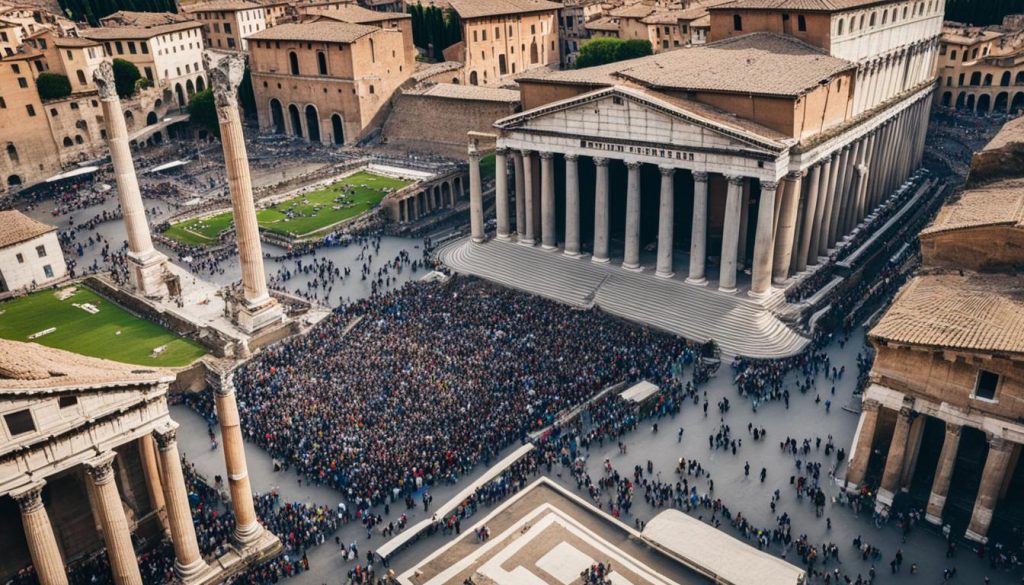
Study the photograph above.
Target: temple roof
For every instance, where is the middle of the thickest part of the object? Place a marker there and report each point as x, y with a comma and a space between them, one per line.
16, 227
460, 91
30, 366
1000, 203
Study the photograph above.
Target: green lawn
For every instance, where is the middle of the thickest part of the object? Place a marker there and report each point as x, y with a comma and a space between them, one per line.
300, 215
94, 334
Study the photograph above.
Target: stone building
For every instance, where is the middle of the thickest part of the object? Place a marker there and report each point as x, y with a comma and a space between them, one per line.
355, 14
666, 28
30, 255
981, 69
227, 23
89, 461
572, 30
326, 80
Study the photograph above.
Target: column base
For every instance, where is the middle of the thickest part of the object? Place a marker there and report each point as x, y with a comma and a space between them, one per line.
760, 295
727, 289
502, 237
548, 247
479, 240
884, 496
251, 318
931, 519
246, 535
149, 273
527, 242
664, 274
776, 280
191, 572
572, 253
632, 267
597, 260
699, 281
975, 537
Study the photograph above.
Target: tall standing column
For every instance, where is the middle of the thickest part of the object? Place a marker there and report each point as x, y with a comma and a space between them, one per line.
943, 474
123, 563
862, 201
761, 274
501, 193
999, 451
42, 545
894, 461
601, 226
631, 256
147, 265
572, 206
154, 486
698, 231
547, 201
837, 198
247, 526
848, 192
786, 231
741, 257
666, 215
730, 235
517, 168
808, 222
529, 235
863, 443
188, 562
819, 211
830, 198
476, 198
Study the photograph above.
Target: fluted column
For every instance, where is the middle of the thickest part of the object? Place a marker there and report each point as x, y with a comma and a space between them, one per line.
895, 460
741, 255
786, 231
943, 474
247, 526
992, 476
862, 200
864, 442
572, 206
666, 217
529, 235
476, 198
819, 211
42, 545
123, 564
188, 562
501, 193
631, 257
154, 486
761, 273
838, 198
698, 231
804, 250
830, 198
848, 192
517, 168
730, 235
547, 201
601, 226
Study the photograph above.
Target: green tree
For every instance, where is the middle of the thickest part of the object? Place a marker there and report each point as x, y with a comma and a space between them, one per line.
246, 96
53, 86
203, 112
609, 50
126, 75
982, 12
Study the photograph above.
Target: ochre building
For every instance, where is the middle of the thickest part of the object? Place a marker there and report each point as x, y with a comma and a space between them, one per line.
981, 69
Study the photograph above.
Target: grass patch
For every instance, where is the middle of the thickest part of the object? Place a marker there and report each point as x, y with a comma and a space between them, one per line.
487, 166
300, 215
96, 334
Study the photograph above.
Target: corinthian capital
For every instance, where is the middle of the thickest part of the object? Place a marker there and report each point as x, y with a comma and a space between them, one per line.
225, 74
104, 78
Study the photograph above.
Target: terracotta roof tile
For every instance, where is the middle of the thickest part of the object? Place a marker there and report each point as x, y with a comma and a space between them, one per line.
358, 14
468, 92
221, 6
999, 203
804, 5
482, 8
30, 366
321, 30
74, 42
16, 227
139, 25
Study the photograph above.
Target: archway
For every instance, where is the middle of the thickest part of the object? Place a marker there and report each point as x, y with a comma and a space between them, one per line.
1018, 101
159, 102
296, 119
190, 87
68, 142
976, 78
947, 99
13, 181
312, 124
960, 101
1005, 80
534, 56
181, 95
446, 194
1019, 79
473, 78
337, 130
129, 119
984, 104
988, 80
200, 84
970, 102
1001, 103
151, 118
277, 116
457, 189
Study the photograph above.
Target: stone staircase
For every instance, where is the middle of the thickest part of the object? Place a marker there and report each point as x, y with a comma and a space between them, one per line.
739, 324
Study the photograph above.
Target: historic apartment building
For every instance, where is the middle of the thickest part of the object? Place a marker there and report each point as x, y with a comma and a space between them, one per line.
666, 28
30, 254
981, 69
326, 80
227, 23
941, 418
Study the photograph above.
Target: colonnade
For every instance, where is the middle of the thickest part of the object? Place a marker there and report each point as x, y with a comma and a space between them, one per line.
441, 195
902, 458
888, 75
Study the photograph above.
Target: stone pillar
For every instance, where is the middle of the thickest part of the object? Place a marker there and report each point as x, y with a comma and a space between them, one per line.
741, 257
913, 449
188, 562
572, 206
146, 265
862, 203
247, 526
999, 451
631, 257
861, 181
698, 231
895, 460
837, 198
804, 250
761, 274
547, 201
154, 487
943, 474
601, 226
517, 164
730, 235
829, 202
529, 235
666, 215
476, 198
501, 193
848, 192
863, 444
42, 545
118, 538
786, 230
819, 212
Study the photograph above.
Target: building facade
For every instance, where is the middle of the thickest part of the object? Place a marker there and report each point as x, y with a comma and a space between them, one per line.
30, 254
982, 69
227, 23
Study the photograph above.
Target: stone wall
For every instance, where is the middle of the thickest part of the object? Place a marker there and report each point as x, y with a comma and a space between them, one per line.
437, 125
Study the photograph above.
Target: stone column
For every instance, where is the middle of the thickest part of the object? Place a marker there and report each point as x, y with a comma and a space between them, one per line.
913, 449
698, 231
730, 235
943, 474
786, 230
572, 206
547, 201
863, 444
601, 226
869, 157
154, 487
146, 265
188, 562
501, 193
861, 181
828, 201
894, 461
804, 250
836, 199
761, 274
999, 451
848, 192
819, 212
118, 538
666, 215
476, 198
517, 164
741, 256
529, 235
42, 545
247, 526
631, 257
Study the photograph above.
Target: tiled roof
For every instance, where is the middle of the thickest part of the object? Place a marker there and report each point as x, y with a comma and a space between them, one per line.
469, 92
74, 42
969, 36
30, 366
999, 203
1012, 132
971, 312
16, 227
716, 115
482, 8
358, 14
221, 6
139, 25
802, 5
702, 22
605, 23
633, 11
321, 30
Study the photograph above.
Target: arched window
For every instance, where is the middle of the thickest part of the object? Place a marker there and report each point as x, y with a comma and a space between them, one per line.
871, 21
840, 29
67, 141
885, 16
293, 62
1019, 80
78, 139
976, 78
737, 22
12, 153
473, 78
321, 62
988, 79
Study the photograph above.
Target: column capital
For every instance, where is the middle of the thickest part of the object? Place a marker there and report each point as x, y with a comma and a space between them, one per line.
870, 404
571, 157
998, 443
734, 179
474, 154
907, 413
103, 77
769, 186
666, 171
227, 384
834, 155
501, 151
700, 176
30, 497
632, 164
547, 155
795, 175
954, 429
101, 468
600, 161
526, 153
862, 169
166, 436
225, 74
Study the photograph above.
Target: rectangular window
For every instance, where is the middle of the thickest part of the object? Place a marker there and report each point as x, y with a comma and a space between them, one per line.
987, 384
227, 28
48, 271
145, 48
31, 110
801, 23
67, 401
41, 250
19, 422
22, 82
119, 47
71, 56
21, 258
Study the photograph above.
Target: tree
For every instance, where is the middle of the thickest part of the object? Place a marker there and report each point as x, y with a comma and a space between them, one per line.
203, 112
982, 12
126, 74
53, 86
246, 96
609, 50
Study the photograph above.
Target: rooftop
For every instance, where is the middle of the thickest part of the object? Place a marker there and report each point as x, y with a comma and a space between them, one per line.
604, 23
484, 8
1000, 203
139, 25
358, 15
633, 11
802, 5
30, 366
221, 6
1011, 133
16, 227
320, 30
74, 42
478, 93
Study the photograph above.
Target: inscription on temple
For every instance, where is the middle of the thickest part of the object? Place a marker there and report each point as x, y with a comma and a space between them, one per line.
669, 153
